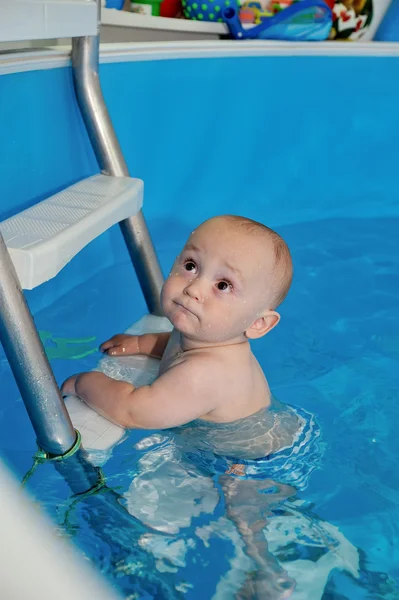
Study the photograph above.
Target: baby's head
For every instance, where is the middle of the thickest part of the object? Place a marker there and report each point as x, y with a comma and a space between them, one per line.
228, 280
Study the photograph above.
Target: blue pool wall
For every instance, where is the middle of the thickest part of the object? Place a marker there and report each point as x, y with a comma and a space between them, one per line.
292, 134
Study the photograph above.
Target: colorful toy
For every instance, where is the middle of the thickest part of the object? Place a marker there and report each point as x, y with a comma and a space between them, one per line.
147, 7
253, 12
351, 18
287, 19
309, 20
208, 10
171, 8
118, 4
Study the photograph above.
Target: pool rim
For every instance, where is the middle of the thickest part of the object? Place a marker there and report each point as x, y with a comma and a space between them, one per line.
55, 57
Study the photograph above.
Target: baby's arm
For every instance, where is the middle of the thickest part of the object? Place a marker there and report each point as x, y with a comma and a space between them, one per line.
150, 344
185, 392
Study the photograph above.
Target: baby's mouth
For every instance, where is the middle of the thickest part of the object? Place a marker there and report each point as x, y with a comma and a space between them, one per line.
185, 308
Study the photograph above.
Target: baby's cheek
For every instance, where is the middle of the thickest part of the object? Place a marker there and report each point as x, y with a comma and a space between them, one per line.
170, 285
165, 290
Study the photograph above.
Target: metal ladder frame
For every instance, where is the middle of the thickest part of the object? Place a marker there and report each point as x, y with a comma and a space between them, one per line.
18, 333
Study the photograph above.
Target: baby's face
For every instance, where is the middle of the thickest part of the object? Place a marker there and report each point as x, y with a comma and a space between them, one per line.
219, 283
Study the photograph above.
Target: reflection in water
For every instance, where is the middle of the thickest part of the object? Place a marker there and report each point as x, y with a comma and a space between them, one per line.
176, 486
175, 524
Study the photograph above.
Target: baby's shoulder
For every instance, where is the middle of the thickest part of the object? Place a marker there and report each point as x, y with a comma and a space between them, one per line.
226, 372
213, 370
203, 360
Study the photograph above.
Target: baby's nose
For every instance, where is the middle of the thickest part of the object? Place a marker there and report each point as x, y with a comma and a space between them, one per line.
193, 290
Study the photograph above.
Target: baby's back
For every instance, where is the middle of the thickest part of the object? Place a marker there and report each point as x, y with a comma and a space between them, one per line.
237, 380
244, 422
240, 384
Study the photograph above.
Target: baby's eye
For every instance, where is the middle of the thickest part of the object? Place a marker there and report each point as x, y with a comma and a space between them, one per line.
190, 266
224, 286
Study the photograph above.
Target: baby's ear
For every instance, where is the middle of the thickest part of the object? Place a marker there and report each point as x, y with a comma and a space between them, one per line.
263, 325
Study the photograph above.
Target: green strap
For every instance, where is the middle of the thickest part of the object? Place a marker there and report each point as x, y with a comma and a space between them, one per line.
41, 456
38, 459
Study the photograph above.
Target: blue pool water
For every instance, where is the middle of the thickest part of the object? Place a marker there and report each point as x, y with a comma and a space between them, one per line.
335, 354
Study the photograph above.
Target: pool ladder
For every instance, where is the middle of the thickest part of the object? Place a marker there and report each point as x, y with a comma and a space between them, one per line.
37, 243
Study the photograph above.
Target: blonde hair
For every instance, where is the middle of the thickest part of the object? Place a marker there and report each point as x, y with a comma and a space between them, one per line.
282, 269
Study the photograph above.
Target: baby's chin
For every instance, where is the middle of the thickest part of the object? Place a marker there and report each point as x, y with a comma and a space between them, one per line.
182, 320
196, 329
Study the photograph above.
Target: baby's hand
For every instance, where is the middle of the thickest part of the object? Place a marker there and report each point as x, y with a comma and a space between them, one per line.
121, 345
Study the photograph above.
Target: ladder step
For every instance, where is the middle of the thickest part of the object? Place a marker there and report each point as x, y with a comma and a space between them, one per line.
44, 238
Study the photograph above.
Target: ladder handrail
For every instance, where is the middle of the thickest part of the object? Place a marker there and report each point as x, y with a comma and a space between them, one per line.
20, 338
30, 365
85, 61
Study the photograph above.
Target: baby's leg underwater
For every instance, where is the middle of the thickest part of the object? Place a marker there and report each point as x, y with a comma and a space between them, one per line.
248, 504
167, 492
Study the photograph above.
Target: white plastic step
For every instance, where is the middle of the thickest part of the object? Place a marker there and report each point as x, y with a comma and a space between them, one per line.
99, 436
44, 238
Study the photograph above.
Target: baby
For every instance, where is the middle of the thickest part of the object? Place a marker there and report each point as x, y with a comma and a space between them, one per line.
222, 292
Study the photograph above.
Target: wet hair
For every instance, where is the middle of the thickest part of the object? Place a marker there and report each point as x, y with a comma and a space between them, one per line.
282, 269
